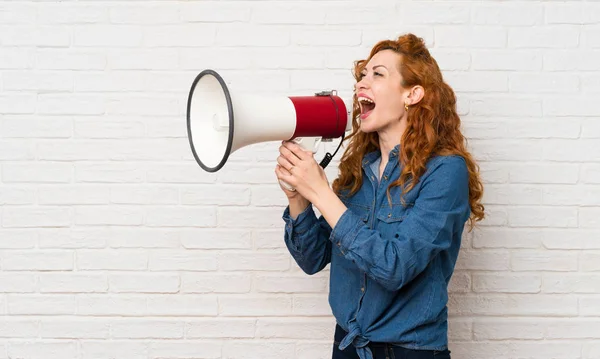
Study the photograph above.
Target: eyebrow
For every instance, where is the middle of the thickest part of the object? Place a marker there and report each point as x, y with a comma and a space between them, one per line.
374, 67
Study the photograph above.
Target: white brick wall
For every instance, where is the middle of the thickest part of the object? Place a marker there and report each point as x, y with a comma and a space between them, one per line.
115, 244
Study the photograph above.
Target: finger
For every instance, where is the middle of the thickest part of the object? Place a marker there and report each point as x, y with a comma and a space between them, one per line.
283, 174
290, 156
296, 149
283, 162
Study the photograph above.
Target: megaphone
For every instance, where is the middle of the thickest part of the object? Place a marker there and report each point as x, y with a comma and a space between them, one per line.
220, 122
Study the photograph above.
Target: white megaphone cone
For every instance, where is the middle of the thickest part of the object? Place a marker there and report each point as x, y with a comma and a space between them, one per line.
220, 122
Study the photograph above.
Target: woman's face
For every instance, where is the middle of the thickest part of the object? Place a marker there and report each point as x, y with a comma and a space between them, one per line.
380, 94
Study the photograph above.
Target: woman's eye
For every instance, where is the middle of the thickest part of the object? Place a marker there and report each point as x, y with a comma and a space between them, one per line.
377, 74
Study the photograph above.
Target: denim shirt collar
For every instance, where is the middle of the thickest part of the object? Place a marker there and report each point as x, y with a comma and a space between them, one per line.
374, 155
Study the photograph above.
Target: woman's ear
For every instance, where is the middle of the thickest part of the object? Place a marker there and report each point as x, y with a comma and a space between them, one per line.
415, 95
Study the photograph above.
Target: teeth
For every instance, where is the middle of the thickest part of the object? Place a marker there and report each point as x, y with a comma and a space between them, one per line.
364, 99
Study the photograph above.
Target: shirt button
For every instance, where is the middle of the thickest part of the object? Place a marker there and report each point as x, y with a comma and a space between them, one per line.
372, 178
385, 177
339, 244
362, 289
389, 215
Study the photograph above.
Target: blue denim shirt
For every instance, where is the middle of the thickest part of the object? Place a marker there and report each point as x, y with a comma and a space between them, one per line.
390, 264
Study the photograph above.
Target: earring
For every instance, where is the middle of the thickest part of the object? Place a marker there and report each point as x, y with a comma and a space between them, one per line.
406, 106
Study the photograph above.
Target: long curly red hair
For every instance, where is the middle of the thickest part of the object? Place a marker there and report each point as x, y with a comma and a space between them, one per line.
433, 126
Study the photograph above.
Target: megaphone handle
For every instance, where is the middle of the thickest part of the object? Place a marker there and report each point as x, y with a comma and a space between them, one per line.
308, 144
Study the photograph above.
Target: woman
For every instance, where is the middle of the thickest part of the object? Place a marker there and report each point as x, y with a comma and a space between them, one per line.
392, 222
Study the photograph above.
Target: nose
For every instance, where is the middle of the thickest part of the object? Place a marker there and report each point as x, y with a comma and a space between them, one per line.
361, 85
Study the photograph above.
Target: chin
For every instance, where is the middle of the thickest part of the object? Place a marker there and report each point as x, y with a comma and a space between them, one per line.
368, 125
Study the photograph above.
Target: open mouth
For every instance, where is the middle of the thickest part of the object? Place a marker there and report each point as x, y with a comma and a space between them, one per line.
366, 106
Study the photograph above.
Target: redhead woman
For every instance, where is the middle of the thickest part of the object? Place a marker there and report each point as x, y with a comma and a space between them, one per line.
391, 223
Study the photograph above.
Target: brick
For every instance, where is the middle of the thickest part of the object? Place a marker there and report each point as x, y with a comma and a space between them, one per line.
47, 350
30, 217
254, 35
182, 305
108, 215
16, 196
240, 261
72, 13
151, 195
110, 305
99, 349
70, 59
571, 283
295, 328
544, 83
562, 37
536, 305
266, 350
178, 35
216, 283
73, 283
477, 37
226, 12
216, 328
311, 305
511, 328
36, 36
17, 58
138, 237
291, 284
214, 195
145, 14
506, 283
490, 237
36, 304
18, 238
508, 14
185, 349
242, 217
143, 283
18, 328
424, 13
544, 173
527, 260
181, 217
87, 328
108, 259
17, 283
26, 126
147, 329
245, 305
216, 239
47, 81
142, 59
483, 260
59, 195
181, 260
66, 238
18, 103
543, 217
109, 172
507, 59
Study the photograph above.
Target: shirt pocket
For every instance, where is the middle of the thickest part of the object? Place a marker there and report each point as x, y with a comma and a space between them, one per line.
396, 213
360, 210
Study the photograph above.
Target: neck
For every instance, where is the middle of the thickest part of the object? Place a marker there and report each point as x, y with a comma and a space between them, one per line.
390, 138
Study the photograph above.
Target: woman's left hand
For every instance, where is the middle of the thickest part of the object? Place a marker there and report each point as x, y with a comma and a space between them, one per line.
301, 171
